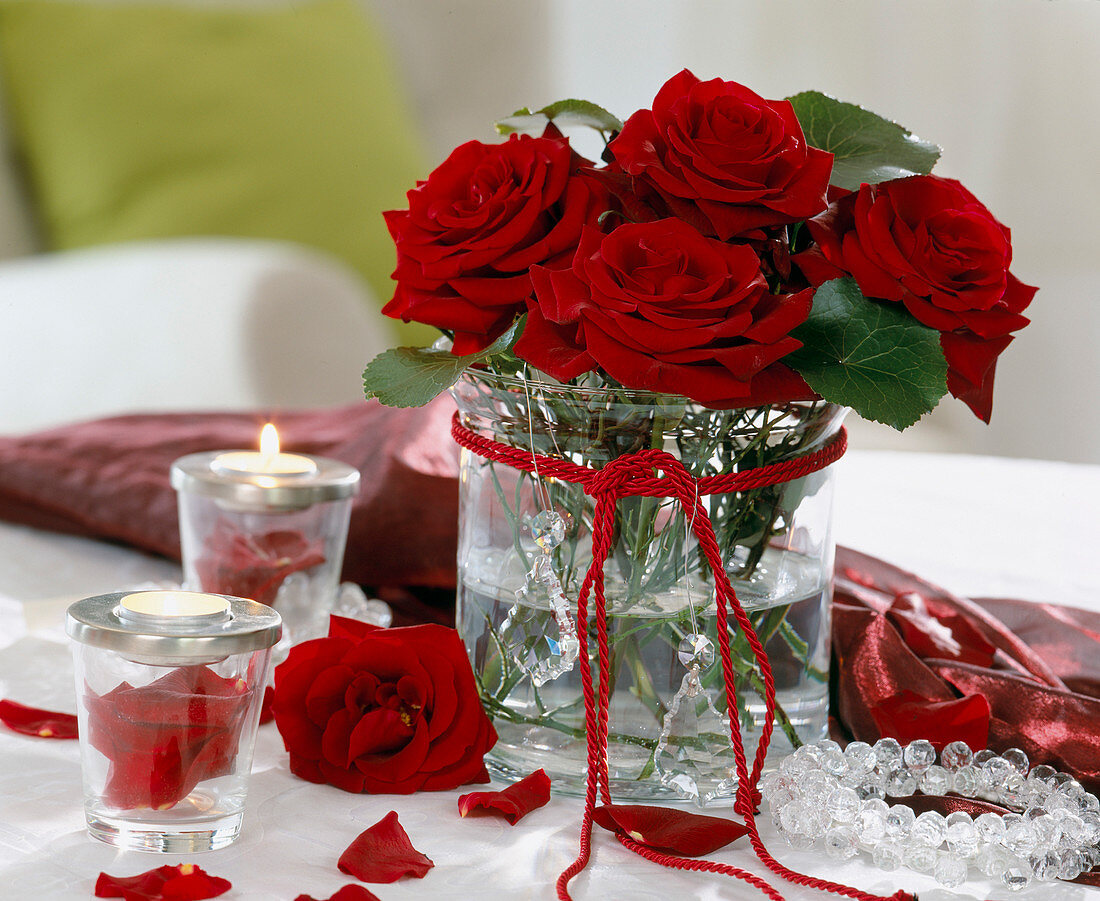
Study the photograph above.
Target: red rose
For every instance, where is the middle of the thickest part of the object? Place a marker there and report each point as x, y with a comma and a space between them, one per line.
723, 157
472, 230
382, 710
929, 243
658, 306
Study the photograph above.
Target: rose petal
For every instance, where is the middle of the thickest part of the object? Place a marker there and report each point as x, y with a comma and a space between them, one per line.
36, 722
383, 853
512, 803
668, 829
267, 709
184, 882
347, 893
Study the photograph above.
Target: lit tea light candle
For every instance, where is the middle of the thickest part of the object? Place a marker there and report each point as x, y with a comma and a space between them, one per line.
267, 461
168, 608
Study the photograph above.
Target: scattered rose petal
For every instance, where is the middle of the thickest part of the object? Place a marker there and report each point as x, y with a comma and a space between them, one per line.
908, 716
668, 829
347, 893
184, 882
384, 853
39, 723
512, 803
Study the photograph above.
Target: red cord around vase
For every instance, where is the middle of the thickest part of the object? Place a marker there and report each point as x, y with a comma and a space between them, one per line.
655, 473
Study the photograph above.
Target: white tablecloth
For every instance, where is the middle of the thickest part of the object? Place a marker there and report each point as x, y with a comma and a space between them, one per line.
978, 526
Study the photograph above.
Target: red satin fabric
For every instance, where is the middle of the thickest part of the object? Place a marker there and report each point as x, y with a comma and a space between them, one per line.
1042, 679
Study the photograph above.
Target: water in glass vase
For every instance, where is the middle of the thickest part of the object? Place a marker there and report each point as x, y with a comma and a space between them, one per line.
543, 725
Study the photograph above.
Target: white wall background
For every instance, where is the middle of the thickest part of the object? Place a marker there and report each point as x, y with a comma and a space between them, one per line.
1009, 89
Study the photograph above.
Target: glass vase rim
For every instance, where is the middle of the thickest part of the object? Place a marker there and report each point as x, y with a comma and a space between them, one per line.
641, 397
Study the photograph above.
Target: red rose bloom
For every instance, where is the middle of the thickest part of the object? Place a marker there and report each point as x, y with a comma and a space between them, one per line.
382, 710
723, 157
472, 230
658, 306
929, 243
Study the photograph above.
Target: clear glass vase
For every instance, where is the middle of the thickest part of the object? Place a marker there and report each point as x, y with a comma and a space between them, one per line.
667, 739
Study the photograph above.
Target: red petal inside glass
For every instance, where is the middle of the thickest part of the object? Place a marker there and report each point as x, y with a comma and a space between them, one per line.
254, 566
184, 882
383, 853
36, 722
347, 893
164, 738
512, 803
668, 829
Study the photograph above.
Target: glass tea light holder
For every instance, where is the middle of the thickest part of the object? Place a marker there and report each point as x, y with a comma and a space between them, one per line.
169, 689
266, 525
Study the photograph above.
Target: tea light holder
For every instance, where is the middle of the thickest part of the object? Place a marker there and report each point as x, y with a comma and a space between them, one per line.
266, 525
169, 688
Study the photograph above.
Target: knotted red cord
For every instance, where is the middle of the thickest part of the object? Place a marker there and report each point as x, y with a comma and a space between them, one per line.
636, 475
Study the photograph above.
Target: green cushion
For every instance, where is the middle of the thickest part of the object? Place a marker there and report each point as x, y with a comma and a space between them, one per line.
155, 120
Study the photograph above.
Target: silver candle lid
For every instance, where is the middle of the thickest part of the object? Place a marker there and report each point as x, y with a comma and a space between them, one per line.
331, 481
139, 633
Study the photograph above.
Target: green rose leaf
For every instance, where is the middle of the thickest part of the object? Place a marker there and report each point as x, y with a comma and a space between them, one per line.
865, 146
414, 376
872, 356
563, 113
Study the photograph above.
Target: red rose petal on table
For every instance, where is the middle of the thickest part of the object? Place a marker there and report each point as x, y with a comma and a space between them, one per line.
512, 803
36, 722
908, 716
383, 853
347, 893
184, 882
668, 829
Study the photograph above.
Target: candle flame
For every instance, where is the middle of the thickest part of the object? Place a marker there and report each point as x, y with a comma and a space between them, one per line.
269, 445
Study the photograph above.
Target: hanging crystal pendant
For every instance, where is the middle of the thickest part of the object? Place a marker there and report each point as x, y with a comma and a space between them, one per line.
543, 642
694, 750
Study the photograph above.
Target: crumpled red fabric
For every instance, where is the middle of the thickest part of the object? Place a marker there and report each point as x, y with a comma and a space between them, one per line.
1037, 665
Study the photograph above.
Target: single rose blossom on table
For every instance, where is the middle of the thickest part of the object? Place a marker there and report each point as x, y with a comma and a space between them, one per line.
930, 244
475, 227
659, 306
382, 710
723, 158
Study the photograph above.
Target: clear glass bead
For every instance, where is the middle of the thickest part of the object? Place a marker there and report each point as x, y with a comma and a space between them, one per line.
886, 856
1020, 837
860, 756
816, 786
871, 824
935, 780
1061, 780
919, 755
1091, 819
1017, 759
967, 781
929, 829
920, 858
991, 827
899, 820
548, 529
1042, 772
1046, 867
889, 754
950, 870
962, 834
1015, 791
790, 816
990, 860
827, 744
871, 788
1017, 874
998, 769
799, 840
956, 754
833, 762
901, 784
843, 805
796, 765
1074, 863
982, 757
841, 842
